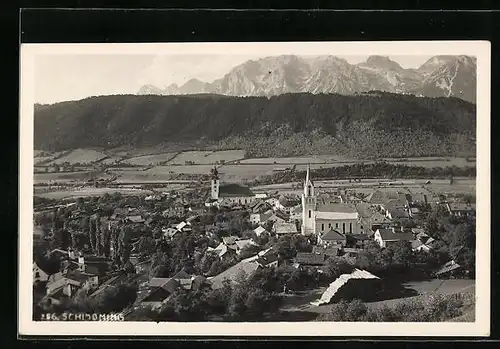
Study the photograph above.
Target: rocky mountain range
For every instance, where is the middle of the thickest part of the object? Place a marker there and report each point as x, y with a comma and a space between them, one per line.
440, 76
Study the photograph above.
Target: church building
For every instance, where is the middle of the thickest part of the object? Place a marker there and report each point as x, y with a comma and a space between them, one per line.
322, 217
229, 193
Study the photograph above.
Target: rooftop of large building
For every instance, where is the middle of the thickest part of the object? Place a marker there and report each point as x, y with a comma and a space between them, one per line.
234, 189
336, 207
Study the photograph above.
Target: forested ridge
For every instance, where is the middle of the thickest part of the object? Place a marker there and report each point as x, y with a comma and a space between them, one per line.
371, 124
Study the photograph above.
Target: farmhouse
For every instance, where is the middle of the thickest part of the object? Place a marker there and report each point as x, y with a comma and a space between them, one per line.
318, 218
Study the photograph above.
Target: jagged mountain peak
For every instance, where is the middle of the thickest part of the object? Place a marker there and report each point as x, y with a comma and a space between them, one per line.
275, 75
382, 62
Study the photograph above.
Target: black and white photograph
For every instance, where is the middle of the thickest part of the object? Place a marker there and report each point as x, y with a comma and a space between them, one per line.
260, 188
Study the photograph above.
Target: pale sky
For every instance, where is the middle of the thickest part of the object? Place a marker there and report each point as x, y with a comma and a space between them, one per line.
72, 77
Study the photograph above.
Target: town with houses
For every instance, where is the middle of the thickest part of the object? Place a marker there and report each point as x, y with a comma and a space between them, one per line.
222, 252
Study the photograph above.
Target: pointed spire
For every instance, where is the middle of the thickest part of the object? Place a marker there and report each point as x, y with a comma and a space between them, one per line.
307, 173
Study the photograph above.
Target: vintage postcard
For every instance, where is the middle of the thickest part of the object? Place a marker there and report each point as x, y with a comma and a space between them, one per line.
255, 189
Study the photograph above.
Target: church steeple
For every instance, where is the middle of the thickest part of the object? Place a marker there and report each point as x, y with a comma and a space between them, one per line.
307, 173
308, 184
214, 173
214, 184
308, 206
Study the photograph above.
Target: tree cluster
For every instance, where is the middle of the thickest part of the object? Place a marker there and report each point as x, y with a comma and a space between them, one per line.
289, 124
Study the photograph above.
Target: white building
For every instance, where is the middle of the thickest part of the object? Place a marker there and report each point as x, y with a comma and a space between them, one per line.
232, 193
318, 218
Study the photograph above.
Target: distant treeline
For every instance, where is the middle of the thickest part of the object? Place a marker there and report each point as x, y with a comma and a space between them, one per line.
375, 170
382, 125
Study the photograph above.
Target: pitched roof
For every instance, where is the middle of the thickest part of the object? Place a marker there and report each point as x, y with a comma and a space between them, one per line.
310, 258
341, 281
230, 240
364, 210
180, 225
379, 218
244, 243
157, 282
449, 266
333, 235
337, 207
135, 219
281, 215
77, 276
416, 244
461, 206
247, 267
285, 228
380, 197
329, 251
392, 235
395, 212
267, 259
157, 295
234, 189
361, 237
259, 230
395, 204
181, 275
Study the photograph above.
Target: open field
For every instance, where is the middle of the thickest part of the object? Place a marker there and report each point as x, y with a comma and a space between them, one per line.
62, 177
225, 155
252, 171
207, 157
195, 169
42, 159
85, 192
198, 157
146, 160
142, 176
324, 159
110, 160
366, 186
81, 156
433, 162
333, 160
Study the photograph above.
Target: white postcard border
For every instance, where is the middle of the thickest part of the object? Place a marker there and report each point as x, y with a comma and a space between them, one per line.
481, 327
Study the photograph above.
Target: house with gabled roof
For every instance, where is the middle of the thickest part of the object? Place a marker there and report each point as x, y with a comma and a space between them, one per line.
268, 260
260, 230
332, 238
242, 244
386, 237
245, 268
